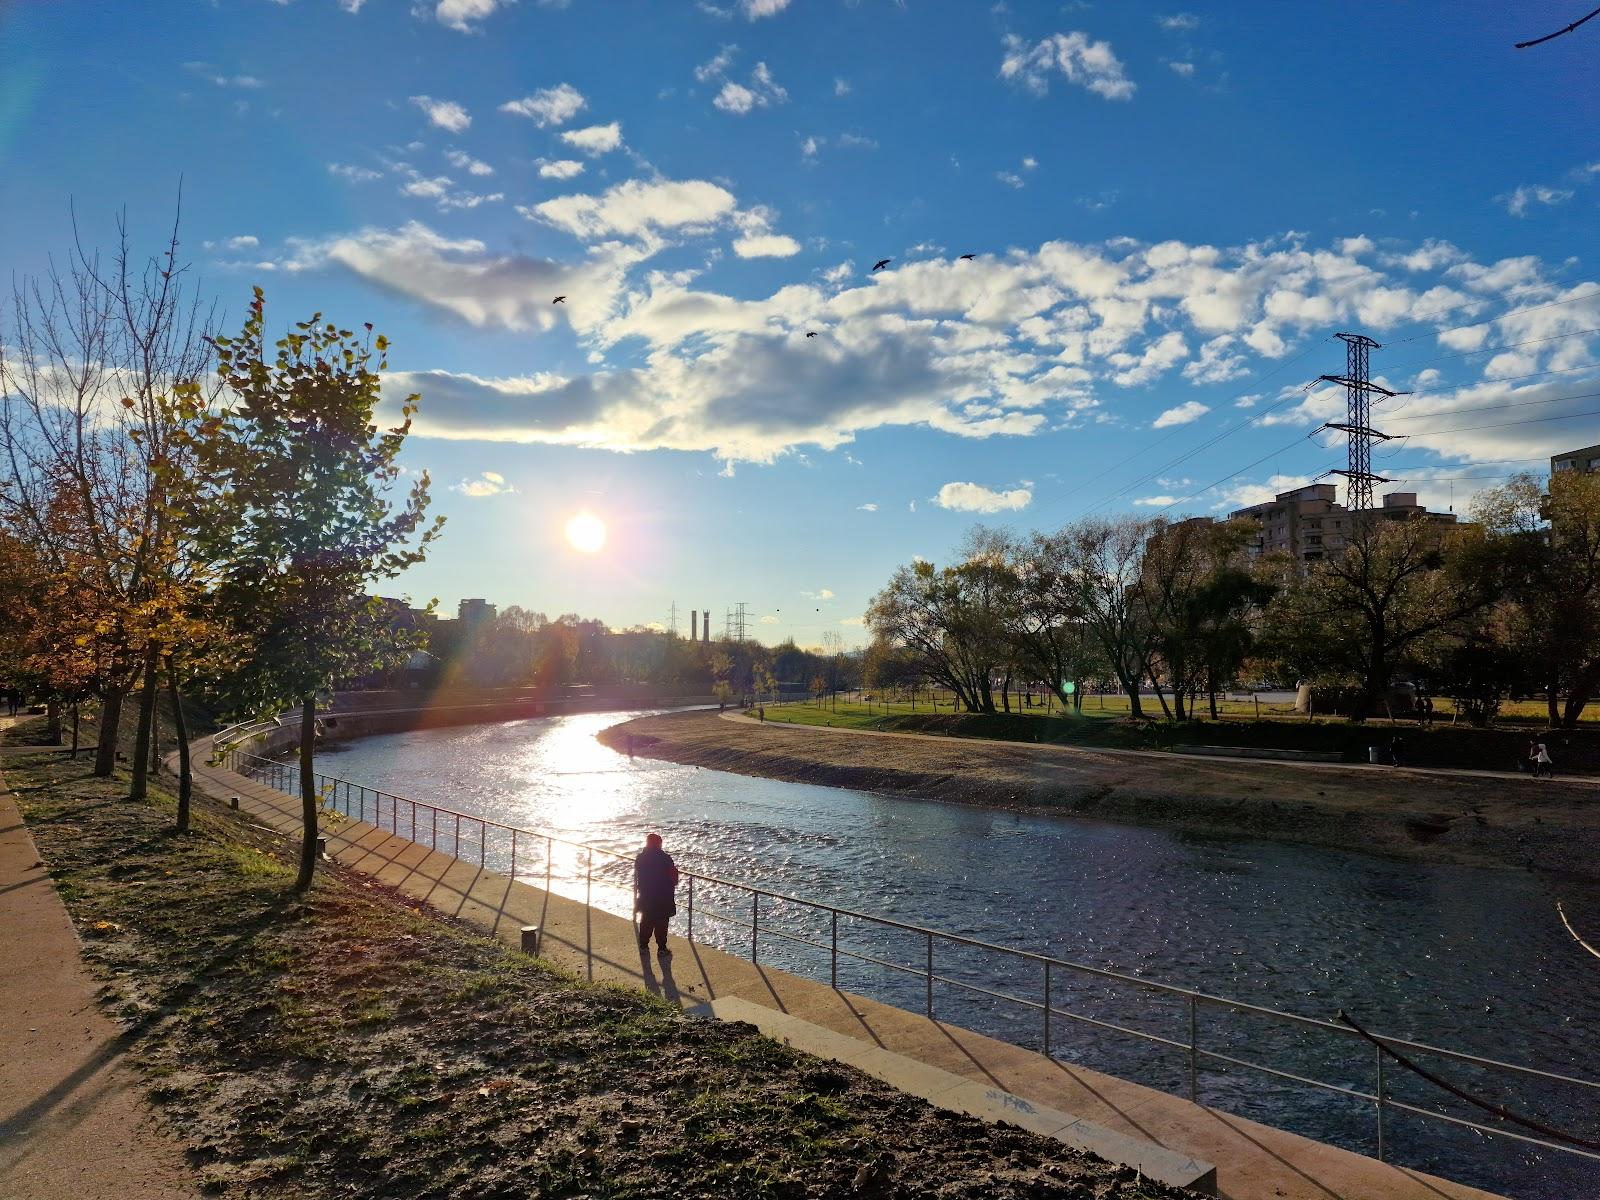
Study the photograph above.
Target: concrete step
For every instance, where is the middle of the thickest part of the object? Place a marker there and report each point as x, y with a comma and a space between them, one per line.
949, 1091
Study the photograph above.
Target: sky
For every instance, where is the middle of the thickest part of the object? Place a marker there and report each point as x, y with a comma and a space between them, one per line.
1170, 210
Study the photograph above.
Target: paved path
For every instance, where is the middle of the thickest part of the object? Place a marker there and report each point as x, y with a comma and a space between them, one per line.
1254, 1162
73, 1122
1170, 757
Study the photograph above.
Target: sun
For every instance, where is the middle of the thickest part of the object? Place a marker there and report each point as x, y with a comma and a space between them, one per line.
587, 533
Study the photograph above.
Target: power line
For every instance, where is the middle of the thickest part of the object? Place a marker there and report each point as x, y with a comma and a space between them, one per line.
1538, 41
1515, 312
1446, 412
1594, 412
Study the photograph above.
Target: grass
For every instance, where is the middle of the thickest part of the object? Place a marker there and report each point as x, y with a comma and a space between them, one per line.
350, 1043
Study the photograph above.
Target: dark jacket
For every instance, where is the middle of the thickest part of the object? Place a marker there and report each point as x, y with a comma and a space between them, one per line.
655, 879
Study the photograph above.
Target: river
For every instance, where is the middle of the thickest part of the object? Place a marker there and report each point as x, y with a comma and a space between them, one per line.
1467, 958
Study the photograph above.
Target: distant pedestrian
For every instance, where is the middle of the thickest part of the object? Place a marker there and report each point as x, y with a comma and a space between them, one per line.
1530, 757
1427, 711
1419, 710
655, 885
761, 712
1396, 744
1542, 764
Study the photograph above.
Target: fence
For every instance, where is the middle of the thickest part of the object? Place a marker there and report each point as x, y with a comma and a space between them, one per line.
465, 836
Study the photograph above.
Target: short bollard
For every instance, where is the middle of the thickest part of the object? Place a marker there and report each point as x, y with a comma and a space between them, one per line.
322, 847
233, 802
530, 939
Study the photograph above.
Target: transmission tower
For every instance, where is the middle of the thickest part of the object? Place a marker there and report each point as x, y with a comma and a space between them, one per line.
1358, 390
737, 626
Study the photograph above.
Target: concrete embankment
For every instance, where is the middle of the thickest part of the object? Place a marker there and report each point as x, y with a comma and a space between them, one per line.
1433, 816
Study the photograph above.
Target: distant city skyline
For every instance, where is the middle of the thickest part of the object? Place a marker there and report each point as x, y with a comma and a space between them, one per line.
1169, 211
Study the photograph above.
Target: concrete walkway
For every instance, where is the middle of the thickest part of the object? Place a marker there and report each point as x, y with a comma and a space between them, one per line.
1253, 1162
73, 1121
1176, 758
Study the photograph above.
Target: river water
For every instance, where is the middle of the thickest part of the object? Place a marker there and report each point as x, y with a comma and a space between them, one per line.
1470, 959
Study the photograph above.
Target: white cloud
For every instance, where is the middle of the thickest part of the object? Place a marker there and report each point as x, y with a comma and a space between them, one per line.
596, 139
1517, 202
1087, 63
637, 208
489, 483
1182, 414
717, 66
809, 147
1010, 179
766, 245
739, 99
461, 14
446, 114
244, 241
973, 497
853, 621
1183, 22
223, 80
354, 174
1179, 67
561, 168
868, 507
548, 106
841, 87
754, 10
1157, 501
855, 141
438, 188
462, 161
769, 619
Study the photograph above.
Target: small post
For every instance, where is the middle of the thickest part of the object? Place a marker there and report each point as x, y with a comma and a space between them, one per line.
928, 975
1379, 1049
1194, 1053
530, 939
513, 853
755, 921
455, 846
322, 847
691, 908
483, 843
1047, 1008
435, 813
548, 844
233, 802
833, 965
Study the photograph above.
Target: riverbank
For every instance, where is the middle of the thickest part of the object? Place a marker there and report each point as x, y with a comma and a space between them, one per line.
360, 1044
1484, 821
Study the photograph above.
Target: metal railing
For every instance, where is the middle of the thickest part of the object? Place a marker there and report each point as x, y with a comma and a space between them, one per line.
421, 822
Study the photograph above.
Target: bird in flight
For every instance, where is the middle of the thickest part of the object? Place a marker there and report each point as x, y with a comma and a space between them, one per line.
881, 264
813, 333
968, 257
558, 300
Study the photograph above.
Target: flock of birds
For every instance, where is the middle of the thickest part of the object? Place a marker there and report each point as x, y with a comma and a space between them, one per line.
876, 267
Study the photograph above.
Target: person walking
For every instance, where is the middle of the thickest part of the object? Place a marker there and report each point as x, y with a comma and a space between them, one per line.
1542, 763
1396, 744
655, 885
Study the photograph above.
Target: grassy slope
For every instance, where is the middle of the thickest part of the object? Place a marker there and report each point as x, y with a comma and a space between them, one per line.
1443, 745
354, 1045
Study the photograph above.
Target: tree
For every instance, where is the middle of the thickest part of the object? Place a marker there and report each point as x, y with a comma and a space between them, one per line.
1396, 584
1103, 558
295, 508
87, 368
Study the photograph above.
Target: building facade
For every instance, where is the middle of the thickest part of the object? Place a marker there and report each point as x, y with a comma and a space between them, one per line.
1308, 524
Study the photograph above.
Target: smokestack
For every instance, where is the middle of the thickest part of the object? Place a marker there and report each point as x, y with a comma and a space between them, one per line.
694, 624
705, 627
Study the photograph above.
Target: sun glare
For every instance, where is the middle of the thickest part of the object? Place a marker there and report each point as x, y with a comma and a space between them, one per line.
587, 533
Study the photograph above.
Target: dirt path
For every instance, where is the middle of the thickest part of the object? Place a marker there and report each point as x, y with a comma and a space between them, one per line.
1432, 816
73, 1124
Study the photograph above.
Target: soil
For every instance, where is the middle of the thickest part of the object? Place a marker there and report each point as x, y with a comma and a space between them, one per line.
1514, 822
349, 1043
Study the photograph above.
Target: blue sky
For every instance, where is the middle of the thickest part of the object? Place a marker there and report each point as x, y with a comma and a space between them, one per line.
1172, 209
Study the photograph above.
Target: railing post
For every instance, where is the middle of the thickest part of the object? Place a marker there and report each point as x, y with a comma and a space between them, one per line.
1379, 1049
549, 848
928, 975
455, 846
755, 921
1047, 1008
513, 853
483, 843
1194, 1050
691, 908
833, 957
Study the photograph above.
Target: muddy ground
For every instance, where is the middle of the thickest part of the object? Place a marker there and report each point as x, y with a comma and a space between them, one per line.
1514, 821
352, 1044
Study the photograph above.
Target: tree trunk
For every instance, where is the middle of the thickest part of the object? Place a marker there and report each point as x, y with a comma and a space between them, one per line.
139, 787
1552, 704
1131, 687
52, 720
185, 776
308, 794
155, 727
74, 729
105, 751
